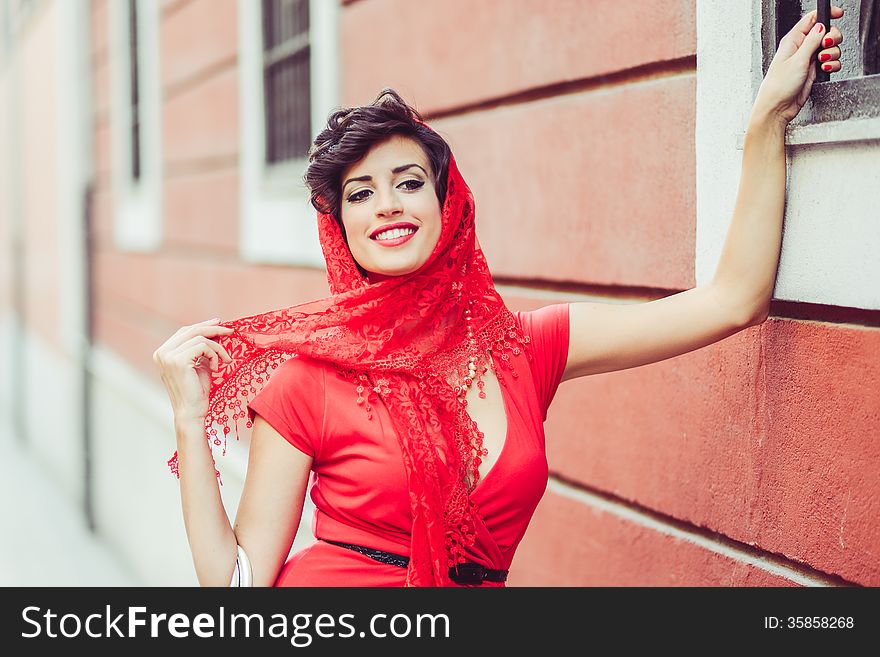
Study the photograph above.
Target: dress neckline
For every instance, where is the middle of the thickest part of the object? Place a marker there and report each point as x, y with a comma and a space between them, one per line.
504, 448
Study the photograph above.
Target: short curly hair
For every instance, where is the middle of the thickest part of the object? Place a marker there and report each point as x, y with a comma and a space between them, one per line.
349, 135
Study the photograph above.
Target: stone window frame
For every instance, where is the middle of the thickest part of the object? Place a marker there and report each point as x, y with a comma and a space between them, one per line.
137, 202
838, 110
277, 222
817, 251
286, 70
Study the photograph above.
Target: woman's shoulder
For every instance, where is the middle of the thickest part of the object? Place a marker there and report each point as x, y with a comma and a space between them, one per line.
299, 370
547, 319
306, 372
548, 331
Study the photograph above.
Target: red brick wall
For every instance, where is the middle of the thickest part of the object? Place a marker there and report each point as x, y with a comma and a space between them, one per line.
574, 126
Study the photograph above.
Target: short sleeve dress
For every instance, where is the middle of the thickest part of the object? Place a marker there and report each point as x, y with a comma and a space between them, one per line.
359, 483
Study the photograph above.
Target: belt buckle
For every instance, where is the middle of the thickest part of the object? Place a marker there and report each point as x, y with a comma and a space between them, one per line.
468, 573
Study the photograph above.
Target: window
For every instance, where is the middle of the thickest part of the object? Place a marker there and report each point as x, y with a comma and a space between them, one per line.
135, 111
854, 91
288, 68
134, 91
286, 81
830, 242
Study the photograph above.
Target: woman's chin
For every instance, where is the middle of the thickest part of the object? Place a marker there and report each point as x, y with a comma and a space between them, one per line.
379, 274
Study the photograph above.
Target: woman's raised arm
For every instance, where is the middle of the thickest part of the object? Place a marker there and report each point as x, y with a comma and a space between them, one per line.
610, 337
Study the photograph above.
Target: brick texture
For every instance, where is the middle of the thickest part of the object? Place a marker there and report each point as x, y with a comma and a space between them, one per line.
445, 54
571, 544
593, 188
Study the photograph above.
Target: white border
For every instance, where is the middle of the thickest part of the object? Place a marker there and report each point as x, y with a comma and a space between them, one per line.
137, 224
277, 222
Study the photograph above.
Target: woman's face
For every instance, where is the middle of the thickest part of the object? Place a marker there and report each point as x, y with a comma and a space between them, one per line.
393, 184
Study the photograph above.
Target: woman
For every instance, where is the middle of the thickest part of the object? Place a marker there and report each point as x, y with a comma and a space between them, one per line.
414, 395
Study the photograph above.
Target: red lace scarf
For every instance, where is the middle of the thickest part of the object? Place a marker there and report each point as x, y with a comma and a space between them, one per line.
416, 343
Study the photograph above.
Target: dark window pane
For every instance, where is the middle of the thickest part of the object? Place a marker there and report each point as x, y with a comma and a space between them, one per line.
286, 61
869, 34
135, 98
268, 22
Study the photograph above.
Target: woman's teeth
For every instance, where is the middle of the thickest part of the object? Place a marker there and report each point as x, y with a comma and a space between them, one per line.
394, 233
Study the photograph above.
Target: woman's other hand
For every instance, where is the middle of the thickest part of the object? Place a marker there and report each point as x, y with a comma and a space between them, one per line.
788, 82
185, 362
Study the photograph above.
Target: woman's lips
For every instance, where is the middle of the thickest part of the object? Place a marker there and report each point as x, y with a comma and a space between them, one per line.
397, 241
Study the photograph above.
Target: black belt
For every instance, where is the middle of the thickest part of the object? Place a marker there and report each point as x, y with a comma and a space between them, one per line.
464, 573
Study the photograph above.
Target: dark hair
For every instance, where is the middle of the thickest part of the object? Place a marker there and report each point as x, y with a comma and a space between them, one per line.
351, 132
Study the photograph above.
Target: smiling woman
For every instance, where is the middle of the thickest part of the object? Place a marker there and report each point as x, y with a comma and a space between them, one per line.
390, 211
413, 392
376, 166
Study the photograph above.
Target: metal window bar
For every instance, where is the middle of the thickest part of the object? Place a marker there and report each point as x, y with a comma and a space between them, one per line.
134, 96
853, 92
869, 35
862, 23
286, 79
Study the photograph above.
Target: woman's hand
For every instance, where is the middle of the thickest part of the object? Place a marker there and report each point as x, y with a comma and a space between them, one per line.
184, 362
788, 82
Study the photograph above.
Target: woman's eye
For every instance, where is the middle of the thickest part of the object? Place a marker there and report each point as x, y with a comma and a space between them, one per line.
354, 198
410, 185
415, 184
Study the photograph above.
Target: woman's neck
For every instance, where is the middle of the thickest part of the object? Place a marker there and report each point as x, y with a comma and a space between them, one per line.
373, 278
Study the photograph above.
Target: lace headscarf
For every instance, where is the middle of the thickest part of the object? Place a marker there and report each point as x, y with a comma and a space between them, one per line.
415, 343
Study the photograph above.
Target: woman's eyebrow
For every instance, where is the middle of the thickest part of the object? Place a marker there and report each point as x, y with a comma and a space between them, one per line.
402, 167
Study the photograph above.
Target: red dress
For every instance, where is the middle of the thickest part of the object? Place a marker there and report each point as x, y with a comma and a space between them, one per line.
359, 482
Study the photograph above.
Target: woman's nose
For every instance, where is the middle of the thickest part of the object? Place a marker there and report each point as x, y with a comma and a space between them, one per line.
388, 204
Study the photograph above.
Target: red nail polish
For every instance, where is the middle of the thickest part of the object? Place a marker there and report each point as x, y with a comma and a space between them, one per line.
826, 67
828, 42
824, 57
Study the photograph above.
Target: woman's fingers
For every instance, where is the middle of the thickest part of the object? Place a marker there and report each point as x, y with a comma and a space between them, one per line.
217, 347
196, 352
197, 345
805, 24
829, 55
186, 327
187, 332
835, 35
182, 361
831, 41
836, 12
